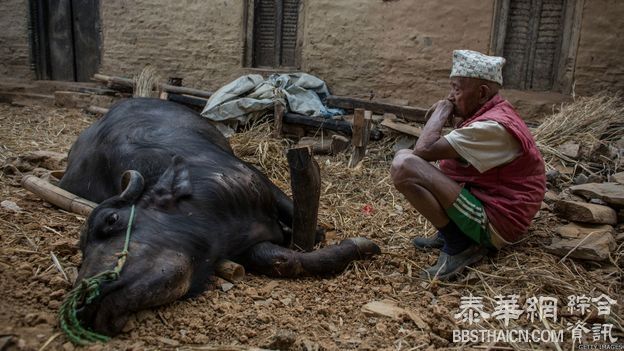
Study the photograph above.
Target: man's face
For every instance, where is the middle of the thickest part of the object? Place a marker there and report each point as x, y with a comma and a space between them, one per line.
465, 96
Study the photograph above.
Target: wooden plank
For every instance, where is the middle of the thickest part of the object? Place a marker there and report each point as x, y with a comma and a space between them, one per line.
60, 40
361, 128
86, 20
305, 178
311, 122
402, 127
357, 138
184, 90
188, 100
410, 113
278, 118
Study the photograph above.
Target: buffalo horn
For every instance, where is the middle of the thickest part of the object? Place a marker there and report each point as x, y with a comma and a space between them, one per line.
132, 183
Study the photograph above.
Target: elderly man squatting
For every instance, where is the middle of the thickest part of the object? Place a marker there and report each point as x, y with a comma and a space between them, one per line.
490, 181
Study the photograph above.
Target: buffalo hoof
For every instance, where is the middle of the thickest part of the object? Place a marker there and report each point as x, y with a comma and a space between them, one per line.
365, 247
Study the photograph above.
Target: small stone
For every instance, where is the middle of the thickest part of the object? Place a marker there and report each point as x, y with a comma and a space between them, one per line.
580, 179
56, 295
282, 340
550, 196
57, 282
583, 241
612, 193
225, 287
68, 346
595, 178
598, 202
167, 341
617, 177
584, 212
10, 205
252, 292
570, 149
552, 176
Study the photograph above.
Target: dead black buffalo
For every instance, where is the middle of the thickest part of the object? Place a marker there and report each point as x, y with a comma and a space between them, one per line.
196, 203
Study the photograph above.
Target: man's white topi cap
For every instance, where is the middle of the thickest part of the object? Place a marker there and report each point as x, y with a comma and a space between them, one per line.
473, 64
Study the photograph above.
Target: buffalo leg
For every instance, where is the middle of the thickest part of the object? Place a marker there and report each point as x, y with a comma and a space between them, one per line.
277, 261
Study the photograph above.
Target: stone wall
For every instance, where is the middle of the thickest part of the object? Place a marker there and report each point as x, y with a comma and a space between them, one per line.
14, 41
198, 40
400, 49
599, 60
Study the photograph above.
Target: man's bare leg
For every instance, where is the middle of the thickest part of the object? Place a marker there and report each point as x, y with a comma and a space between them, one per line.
424, 186
431, 192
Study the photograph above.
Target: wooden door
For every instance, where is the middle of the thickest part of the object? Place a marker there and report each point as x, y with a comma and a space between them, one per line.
275, 33
532, 43
65, 39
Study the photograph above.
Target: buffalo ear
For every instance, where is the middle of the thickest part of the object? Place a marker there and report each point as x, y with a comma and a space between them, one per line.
172, 185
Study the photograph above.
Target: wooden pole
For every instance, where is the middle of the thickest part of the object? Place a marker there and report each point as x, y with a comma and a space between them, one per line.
278, 118
57, 196
305, 181
361, 131
226, 269
410, 113
129, 83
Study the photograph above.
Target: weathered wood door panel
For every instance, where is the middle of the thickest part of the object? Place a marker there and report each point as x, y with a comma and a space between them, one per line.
533, 43
60, 40
275, 33
65, 39
86, 20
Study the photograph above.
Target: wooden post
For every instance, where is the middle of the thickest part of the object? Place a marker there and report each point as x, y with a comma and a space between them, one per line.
361, 132
70, 202
305, 180
230, 271
278, 121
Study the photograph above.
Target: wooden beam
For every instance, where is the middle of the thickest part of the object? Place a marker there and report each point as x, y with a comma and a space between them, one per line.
305, 181
402, 127
127, 82
343, 127
409, 113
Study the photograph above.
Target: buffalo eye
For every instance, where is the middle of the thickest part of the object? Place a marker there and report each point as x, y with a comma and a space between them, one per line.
112, 218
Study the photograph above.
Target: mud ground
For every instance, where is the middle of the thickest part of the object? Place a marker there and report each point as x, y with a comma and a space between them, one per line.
301, 314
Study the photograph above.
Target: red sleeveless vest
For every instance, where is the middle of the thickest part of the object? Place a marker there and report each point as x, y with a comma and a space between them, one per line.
512, 193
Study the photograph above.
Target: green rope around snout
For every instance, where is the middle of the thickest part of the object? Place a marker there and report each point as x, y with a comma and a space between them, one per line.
85, 293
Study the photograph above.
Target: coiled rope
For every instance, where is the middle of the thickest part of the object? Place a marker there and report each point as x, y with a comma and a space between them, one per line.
85, 293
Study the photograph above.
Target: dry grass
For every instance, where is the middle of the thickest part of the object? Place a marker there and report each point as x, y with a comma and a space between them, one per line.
145, 81
588, 121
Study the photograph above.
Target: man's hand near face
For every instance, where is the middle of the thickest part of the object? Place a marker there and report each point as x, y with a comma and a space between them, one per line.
431, 146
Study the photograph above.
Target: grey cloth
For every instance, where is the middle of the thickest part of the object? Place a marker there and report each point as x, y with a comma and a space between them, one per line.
250, 96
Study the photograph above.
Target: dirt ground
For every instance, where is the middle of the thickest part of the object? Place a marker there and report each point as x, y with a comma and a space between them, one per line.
301, 314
